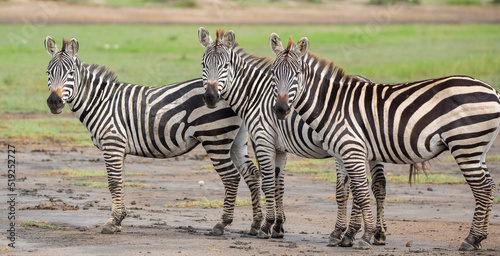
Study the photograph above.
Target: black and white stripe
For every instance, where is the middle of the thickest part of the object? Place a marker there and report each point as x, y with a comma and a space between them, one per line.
156, 122
397, 123
244, 81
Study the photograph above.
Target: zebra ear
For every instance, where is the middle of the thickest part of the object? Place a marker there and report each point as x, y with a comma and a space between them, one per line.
302, 46
50, 46
72, 47
204, 37
275, 43
229, 39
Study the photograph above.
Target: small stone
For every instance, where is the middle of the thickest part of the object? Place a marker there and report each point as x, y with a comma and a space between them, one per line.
409, 243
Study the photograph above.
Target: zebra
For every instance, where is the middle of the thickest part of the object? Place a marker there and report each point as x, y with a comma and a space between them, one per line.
244, 81
154, 122
404, 123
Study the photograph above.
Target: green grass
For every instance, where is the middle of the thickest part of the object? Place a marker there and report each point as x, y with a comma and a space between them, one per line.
38, 224
104, 184
56, 131
156, 55
76, 173
324, 169
210, 204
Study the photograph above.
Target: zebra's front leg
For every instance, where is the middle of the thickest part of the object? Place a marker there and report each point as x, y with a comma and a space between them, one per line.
355, 165
378, 188
252, 179
278, 230
354, 224
114, 160
342, 195
251, 175
266, 157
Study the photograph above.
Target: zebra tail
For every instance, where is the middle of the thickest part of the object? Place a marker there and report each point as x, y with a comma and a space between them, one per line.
416, 168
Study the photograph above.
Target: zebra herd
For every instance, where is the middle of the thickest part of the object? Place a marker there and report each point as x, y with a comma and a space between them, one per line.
299, 104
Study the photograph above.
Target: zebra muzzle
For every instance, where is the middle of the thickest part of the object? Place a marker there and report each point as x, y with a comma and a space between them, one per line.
55, 103
281, 108
211, 95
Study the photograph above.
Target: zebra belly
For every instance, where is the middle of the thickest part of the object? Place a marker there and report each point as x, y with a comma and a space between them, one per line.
155, 152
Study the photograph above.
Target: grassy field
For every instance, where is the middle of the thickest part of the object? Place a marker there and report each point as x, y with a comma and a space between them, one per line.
156, 55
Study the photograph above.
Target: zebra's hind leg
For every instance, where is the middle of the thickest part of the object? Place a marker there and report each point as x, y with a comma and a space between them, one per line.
278, 230
378, 188
342, 195
250, 173
114, 160
230, 179
483, 189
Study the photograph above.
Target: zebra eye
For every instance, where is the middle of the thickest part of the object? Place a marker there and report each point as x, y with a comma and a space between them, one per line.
226, 65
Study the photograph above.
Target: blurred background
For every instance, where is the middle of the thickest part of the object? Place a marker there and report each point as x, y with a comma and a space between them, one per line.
154, 42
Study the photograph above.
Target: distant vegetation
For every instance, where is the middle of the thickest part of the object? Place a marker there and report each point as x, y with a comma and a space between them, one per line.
157, 55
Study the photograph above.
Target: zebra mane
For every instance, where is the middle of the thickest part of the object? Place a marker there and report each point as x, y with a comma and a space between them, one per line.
331, 70
65, 42
261, 63
101, 71
219, 34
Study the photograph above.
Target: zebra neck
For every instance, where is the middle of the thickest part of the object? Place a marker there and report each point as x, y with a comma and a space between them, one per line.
323, 91
96, 85
251, 82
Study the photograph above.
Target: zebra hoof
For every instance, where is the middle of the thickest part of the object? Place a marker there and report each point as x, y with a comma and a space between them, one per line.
379, 239
334, 242
275, 234
347, 242
468, 247
363, 245
217, 231
262, 235
110, 229
253, 231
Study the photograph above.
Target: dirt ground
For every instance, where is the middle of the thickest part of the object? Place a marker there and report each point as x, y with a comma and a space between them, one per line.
435, 218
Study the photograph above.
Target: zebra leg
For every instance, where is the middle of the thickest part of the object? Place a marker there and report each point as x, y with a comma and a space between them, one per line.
483, 189
342, 195
266, 157
230, 179
114, 160
251, 175
278, 230
356, 169
378, 188
354, 225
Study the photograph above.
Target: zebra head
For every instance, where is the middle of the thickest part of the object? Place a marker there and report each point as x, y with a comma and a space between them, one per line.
216, 64
287, 72
63, 73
